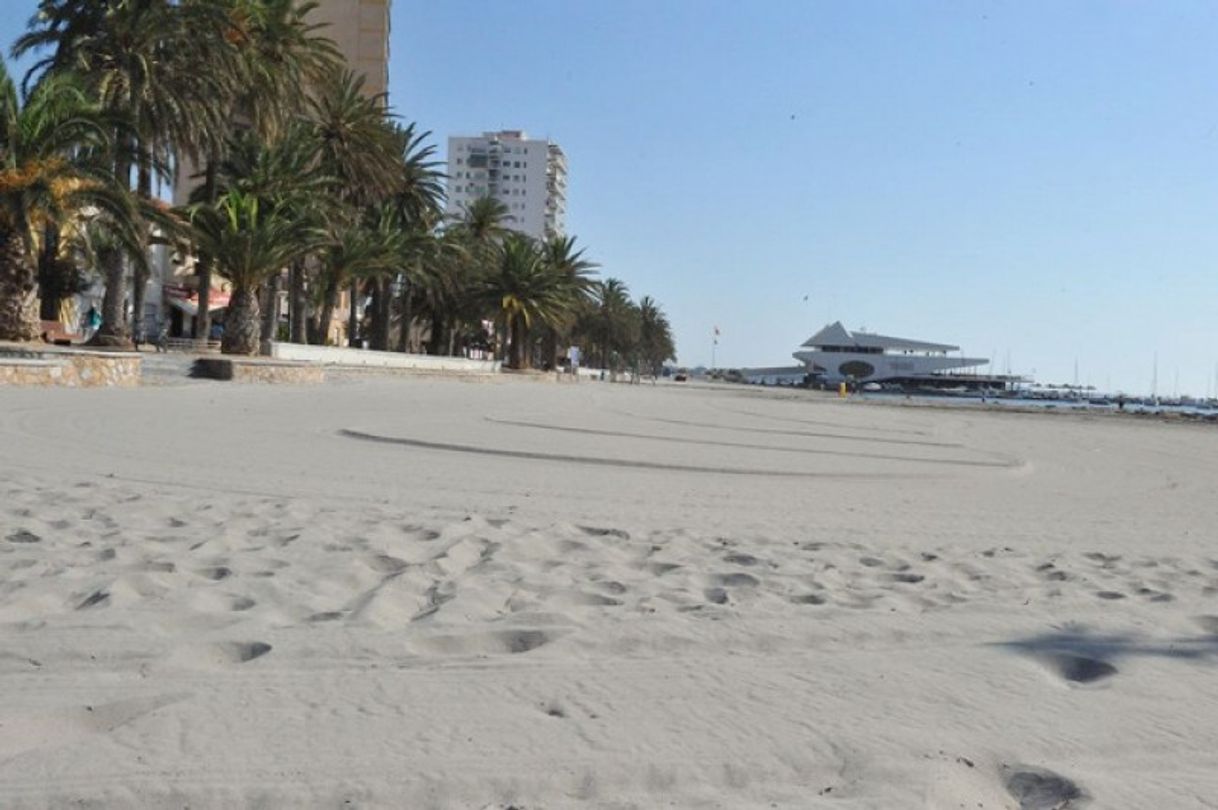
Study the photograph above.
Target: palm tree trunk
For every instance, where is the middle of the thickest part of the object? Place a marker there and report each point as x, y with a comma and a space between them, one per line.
113, 329
353, 317
52, 275
520, 342
203, 267
241, 325
379, 337
550, 347
270, 310
18, 289
436, 341
298, 303
139, 283
321, 332
407, 319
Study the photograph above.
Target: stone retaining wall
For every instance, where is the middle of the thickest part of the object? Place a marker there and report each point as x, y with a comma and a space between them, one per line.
22, 364
252, 370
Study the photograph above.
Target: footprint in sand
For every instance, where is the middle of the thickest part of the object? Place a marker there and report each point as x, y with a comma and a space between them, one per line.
387, 564
239, 652
1080, 668
593, 531
512, 642
908, 579
93, 600
1052, 573
736, 580
1039, 789
216, 572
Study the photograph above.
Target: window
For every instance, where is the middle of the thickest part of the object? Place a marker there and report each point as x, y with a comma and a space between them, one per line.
516, 164
460, 161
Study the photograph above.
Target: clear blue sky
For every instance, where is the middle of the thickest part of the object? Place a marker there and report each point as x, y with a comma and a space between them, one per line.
1031, 177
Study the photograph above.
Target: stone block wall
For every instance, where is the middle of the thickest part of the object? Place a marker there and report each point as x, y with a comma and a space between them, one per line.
73, 368
257, 371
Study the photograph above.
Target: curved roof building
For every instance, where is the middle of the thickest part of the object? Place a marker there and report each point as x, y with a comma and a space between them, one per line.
835, 354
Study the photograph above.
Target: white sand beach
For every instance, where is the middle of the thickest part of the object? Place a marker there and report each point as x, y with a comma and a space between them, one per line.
440, 594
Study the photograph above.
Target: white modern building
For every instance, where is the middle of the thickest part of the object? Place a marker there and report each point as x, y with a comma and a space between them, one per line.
528, 175
834, 355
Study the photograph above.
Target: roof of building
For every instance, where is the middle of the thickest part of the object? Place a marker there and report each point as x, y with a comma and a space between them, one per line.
837, 335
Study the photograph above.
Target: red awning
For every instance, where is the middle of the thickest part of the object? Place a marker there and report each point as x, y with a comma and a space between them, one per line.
187, 299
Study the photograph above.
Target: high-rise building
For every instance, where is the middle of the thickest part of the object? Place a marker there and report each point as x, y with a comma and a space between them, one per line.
360, 28
527, 175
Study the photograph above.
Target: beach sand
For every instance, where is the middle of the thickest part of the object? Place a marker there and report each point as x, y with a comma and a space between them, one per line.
441, 594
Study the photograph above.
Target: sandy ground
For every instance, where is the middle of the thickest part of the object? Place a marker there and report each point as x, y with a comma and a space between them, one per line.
437, 594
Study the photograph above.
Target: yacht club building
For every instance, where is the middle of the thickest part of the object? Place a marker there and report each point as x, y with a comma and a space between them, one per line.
835, 354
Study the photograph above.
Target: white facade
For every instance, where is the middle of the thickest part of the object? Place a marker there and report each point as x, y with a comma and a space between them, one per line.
835, 355
527, 175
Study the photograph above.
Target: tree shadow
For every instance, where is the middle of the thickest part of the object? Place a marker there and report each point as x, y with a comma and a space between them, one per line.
1080, 655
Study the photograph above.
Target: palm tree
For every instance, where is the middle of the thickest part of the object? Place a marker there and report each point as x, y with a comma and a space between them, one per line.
560, 255
479, 231
414, 209
49, 176
360, 148
284, 173
281, 58
356, 252
655, 344
151, 64
435, 277
249, 240
482, 221
609, 323
525, 291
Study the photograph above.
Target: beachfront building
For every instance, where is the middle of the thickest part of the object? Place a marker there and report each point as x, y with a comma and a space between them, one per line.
835, 354
528, 175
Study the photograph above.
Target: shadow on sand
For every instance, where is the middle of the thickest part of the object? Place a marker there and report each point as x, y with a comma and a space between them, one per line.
1079, 655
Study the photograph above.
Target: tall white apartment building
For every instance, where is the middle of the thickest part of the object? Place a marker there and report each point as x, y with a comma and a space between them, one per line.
527, 175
